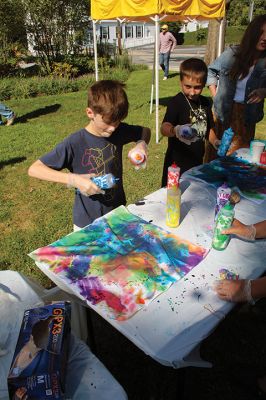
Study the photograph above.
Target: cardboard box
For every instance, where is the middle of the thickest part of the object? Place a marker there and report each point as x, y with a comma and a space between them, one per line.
38, 366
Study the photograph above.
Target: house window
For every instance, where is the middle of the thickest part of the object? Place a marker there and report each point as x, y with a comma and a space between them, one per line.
104, 32
129, 31
139, 31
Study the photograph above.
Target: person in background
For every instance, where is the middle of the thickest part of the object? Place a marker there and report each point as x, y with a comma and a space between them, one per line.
188, 109
95, 150
8, 114
245, 290
166, 46
233, 80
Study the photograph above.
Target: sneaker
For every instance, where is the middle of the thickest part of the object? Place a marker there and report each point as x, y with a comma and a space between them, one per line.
11, 120
164, 78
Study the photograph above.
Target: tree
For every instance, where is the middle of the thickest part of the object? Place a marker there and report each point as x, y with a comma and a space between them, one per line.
237, 14
56, 28
213, 36
12, 28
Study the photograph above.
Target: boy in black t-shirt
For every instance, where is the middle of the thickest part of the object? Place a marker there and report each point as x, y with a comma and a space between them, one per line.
188, 109
94, 150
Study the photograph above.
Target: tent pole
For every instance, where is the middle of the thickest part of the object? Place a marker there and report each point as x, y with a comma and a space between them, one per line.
152, 84
157, 76
221, 37
94, 22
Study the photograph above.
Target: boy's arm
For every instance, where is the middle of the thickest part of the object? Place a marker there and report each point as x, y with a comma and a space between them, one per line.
146, 135
82, 182
167, 129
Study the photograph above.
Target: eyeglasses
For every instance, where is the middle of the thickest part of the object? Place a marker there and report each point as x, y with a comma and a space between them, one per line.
163, 29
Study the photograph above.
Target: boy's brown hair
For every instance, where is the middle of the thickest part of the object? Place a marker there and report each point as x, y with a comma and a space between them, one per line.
194, 68
108, 98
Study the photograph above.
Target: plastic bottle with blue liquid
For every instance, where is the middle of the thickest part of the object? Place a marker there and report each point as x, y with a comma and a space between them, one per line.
225, 142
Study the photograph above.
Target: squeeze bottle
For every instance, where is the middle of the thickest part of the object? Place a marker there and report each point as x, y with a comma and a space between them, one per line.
224, 221
105, 181
223, 195
173, 197
225, 142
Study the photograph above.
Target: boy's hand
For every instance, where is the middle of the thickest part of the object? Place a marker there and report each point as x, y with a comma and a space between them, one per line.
185, 134
84, 184
140, 149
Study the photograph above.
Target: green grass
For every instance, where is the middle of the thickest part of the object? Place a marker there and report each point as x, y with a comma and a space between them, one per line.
233, 35
34, 213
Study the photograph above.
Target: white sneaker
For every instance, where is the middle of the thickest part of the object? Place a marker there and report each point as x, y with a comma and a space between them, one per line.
164, 78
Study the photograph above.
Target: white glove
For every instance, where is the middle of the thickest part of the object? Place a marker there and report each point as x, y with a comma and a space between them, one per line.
185, 134
138, 155
84, 184
238, 291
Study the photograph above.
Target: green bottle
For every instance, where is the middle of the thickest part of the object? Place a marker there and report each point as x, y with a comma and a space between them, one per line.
224, 221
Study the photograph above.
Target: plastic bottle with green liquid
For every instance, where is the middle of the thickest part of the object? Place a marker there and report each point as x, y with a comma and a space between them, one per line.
224, 221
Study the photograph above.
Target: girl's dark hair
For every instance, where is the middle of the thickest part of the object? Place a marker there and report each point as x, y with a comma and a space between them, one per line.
247, 52
108, 98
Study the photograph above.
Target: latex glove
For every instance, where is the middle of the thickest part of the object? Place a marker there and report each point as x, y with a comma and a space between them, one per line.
185, 134
216, 144
83, 183
241, 230
138, 155
238, 291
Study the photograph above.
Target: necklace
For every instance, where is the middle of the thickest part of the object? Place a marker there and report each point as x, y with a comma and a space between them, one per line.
198, 119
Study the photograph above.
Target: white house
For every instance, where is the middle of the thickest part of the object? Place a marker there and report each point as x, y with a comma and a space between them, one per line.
136, 33
192, 26
133, 34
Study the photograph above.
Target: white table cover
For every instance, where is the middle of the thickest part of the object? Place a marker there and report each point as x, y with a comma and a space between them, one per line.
176, 322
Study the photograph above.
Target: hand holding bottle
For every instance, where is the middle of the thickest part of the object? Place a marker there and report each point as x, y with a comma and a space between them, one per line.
185, 133
241, 230
138, 155
84, 184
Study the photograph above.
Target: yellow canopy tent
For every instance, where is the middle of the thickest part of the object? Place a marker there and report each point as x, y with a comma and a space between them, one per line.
144, 10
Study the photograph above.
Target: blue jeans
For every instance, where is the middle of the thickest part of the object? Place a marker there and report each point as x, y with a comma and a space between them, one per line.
5, 112
164, 62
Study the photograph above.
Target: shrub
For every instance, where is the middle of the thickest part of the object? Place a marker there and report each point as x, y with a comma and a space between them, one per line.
64, 70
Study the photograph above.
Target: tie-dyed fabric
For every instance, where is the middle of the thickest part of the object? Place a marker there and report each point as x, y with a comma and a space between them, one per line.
120, 262
249, 179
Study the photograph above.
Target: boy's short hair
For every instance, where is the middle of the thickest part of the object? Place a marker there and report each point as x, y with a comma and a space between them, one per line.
108, 98
194, 68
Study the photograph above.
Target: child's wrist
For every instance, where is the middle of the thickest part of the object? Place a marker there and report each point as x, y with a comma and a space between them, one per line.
247, 292
70, 180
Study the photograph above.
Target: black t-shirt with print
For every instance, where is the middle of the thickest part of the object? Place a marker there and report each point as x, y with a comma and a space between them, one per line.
84, 153
181, 111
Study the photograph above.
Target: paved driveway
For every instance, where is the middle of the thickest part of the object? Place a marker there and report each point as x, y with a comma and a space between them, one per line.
145, 54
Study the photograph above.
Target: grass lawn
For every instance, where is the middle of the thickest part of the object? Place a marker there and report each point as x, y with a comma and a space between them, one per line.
34, 213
